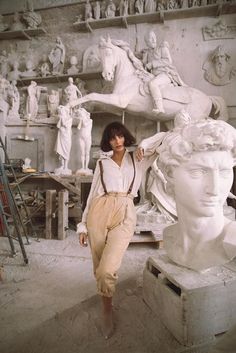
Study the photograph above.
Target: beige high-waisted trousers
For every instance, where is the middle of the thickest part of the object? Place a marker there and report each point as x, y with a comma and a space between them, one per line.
110, 222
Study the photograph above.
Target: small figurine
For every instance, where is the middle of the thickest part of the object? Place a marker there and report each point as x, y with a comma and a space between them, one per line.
88, 11
139, 6
30, 69
4, 66
44, 68
71, 91
97, 10
73, 70
110, 10
53, 102
14, 96
57, 57
32, 101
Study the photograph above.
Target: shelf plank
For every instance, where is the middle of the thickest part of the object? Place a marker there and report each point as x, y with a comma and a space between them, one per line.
59, 78
24, 34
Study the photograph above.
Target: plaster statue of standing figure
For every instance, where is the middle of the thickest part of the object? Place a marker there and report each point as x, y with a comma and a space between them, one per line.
71, 91
14, 96
57, 57
139, 6
150, 6
31, 18
32, 101
84, 139
197, 159
158, 61
110, 9
64, 137
123, 8
97, 10
88, 11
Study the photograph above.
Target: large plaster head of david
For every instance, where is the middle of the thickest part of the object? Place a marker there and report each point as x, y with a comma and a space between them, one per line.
197, 159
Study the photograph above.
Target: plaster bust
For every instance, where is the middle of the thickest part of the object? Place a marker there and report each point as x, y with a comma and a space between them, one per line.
197, 160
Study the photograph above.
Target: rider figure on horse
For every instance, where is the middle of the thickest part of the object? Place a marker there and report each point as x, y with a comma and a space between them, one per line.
158, 61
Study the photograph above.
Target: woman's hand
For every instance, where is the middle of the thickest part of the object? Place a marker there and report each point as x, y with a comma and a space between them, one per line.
83, 239
139, 153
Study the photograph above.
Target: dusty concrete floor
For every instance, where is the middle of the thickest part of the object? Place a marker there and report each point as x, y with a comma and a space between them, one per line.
51, 304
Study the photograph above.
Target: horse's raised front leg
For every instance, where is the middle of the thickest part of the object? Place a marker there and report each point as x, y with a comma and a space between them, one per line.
112, 99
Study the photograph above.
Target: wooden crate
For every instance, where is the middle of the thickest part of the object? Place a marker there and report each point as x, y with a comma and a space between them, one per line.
195, 307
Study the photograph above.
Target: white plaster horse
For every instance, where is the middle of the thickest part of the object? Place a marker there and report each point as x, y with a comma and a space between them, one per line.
130, 92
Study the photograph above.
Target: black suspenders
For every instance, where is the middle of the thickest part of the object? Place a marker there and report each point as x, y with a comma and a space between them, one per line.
132, 183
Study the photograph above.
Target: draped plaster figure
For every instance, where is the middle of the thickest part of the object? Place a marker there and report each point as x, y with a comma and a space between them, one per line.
110, 9
73, 69
139, 6
14, 74
32, 101
53, 102
30, 69
44, 68
103, 8
150, 6
84, 139
88, 11
14, 96
123, 7
131, 7
71, 91
57, 57
64, 137
197, 159
4, 66
218, 69
17, 25
31, 18
3, 26
97, 10
158, 61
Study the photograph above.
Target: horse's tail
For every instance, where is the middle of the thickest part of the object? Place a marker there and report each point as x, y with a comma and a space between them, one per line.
219, 108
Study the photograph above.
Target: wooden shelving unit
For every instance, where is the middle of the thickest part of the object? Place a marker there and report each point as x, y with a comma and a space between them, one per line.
156, 17
23, 34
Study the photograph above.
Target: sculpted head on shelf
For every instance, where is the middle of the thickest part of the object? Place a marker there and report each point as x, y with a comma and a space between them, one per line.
197, 160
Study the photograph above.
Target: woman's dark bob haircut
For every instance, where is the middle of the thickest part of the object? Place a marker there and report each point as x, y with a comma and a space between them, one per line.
112, 130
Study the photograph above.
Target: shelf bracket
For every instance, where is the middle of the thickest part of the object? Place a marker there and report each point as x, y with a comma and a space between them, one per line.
162, 17
89, 28
124, 21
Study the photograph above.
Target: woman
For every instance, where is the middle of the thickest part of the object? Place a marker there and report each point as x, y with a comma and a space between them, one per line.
109, 217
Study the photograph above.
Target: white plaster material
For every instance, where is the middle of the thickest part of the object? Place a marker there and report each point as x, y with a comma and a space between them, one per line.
139, 6
53, 102
131, 95
44, 68
218, 69
4, 66
219, 30
110, 9
88, 11
73, 69
197, 160
32, 101
84, 127
30, 69
63, 142
91, 59
14, 97
57, 57
71, 92
150, 6
97, 10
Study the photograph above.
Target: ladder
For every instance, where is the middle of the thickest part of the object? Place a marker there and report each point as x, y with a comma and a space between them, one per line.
11, 204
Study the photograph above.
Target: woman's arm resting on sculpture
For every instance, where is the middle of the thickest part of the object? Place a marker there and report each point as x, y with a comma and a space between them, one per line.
83, 239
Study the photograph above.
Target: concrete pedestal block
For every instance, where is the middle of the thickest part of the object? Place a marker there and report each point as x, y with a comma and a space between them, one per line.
195, 307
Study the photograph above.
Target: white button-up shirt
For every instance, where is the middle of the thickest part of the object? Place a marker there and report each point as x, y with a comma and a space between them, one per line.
119, 178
